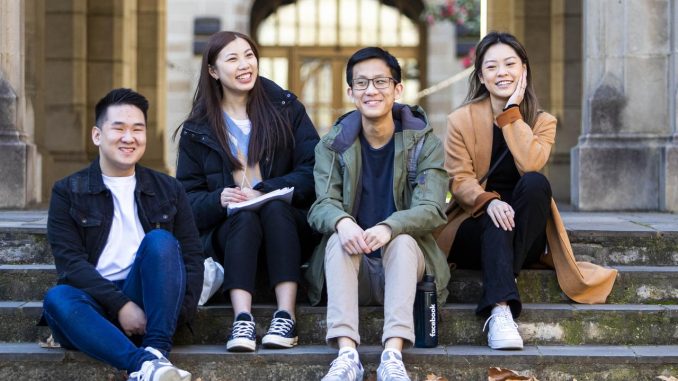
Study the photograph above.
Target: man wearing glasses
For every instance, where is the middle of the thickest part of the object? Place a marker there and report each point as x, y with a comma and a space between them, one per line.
376, 222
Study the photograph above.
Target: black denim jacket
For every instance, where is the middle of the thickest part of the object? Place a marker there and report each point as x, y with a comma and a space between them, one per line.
79, 221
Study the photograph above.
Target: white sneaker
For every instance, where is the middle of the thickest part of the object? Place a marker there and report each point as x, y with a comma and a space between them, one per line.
391, 367
503, 332
346, 367
160, 369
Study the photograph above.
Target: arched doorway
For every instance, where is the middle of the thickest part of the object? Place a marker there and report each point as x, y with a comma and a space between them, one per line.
305, 45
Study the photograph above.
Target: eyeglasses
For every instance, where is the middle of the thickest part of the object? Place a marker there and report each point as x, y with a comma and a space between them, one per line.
378, 82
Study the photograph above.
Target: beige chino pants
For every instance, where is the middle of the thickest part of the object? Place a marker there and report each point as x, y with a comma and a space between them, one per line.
354, 280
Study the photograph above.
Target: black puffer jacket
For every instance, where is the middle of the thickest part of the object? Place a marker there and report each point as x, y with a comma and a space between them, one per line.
204, 170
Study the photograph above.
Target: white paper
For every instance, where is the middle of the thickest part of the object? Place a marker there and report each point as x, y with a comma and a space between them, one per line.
284, 194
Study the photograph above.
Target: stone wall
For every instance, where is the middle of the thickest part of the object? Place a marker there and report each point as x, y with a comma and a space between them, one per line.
183, 67
624, 159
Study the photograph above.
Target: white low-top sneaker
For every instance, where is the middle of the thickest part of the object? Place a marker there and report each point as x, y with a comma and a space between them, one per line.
503, 332
391, 367
160, 369
346, 367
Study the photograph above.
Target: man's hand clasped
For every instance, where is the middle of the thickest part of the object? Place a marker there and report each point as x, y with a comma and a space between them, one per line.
354, 240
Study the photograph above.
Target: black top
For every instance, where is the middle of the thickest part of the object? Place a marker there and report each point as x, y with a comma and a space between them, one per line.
376, 193
506, 175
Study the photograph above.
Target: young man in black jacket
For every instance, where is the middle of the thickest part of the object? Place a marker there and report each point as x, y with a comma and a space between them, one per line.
126, 249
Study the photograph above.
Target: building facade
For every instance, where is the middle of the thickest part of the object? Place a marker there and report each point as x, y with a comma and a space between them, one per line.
607, 69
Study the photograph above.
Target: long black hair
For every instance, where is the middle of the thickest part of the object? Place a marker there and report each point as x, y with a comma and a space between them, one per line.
270, 130
529, 107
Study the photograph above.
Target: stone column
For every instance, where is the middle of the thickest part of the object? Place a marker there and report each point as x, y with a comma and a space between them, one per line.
565, 89
111, 51
507, 16
629, 87
64, 135
669, 186
151, 74
442, 64
20, 162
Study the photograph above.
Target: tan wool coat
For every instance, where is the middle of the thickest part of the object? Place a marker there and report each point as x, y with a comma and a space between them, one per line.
468, 150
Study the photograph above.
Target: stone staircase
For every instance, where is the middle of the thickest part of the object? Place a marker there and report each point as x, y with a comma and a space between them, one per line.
634, 337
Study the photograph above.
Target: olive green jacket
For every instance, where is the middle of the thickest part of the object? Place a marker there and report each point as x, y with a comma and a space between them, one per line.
418, 211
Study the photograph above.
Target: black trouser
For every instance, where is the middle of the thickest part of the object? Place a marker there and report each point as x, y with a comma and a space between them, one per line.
279, 226
479, 244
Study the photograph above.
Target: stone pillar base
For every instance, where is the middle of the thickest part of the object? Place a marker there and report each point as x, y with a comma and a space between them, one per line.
620, 173
670, 183
17, 188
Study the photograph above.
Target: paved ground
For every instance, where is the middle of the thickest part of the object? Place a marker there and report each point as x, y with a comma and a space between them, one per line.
574, 221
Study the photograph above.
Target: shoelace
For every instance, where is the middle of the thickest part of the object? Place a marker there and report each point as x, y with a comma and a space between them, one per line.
243, 328
280, 326
503, 318
340, 365
394, 368
144, 374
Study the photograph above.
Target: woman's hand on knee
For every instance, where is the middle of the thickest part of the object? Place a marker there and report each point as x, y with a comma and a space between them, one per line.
501, 214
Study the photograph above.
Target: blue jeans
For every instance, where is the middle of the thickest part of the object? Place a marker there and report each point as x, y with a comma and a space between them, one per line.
156, 283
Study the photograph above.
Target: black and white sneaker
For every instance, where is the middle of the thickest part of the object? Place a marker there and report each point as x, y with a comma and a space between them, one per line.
243, 337
282, 333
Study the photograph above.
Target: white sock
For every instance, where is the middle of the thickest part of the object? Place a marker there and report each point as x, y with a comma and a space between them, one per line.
346, 350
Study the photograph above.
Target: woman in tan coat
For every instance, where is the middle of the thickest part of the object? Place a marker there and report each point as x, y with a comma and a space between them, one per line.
504, 222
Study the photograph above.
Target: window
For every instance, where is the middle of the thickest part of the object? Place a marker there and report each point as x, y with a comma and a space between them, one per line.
305, 46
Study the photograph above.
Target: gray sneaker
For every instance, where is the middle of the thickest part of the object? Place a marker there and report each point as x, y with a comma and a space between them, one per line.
160, 369
346, 367
392, 367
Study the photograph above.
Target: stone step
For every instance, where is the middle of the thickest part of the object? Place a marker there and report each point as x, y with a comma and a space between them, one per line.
552, 324
211, 363
28, 245
635, 284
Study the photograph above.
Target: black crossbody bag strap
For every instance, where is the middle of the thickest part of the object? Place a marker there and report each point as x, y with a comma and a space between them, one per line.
494, 166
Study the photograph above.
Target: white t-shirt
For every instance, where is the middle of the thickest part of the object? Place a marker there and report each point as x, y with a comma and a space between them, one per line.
245, 125
126, 231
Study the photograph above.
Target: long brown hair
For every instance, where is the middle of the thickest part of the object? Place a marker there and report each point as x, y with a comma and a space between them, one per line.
529, 107
270, 130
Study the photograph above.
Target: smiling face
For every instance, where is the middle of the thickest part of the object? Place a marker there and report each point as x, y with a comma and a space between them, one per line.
501, 69
121, 140
374, 104
236, 67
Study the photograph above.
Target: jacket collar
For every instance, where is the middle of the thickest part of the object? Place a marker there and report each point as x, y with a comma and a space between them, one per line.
95, 181
346, 129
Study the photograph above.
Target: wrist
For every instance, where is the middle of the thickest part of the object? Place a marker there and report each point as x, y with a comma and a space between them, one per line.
510, 105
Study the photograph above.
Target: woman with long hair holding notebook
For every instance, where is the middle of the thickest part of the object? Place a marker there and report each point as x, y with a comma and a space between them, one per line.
245, 136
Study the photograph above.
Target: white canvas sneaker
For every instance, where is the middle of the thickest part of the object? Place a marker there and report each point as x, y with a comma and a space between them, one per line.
503, 332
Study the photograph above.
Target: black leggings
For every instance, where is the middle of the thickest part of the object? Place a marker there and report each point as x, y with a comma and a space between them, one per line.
501, 254
279, 226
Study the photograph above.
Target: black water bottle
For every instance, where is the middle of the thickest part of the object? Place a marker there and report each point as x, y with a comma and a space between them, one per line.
426, 314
